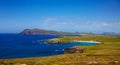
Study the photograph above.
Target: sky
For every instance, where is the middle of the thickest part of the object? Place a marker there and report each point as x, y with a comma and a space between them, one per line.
61, 15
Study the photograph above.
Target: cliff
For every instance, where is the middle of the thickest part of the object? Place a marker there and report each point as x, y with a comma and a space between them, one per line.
55, 41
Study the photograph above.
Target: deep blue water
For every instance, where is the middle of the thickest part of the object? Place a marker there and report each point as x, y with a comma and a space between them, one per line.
20, 46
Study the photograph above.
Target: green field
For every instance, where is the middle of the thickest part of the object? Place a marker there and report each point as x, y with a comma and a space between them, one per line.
100, 38
107, 53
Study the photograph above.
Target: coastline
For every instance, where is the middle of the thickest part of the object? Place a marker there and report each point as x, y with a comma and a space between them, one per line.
89, 41
98, 53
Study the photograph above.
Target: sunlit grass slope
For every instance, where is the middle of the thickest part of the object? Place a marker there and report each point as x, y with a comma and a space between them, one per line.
100, 38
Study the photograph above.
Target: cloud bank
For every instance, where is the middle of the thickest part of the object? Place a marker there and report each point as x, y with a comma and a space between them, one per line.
79, 25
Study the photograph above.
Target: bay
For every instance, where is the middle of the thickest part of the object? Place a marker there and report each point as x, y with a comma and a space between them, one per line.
23, 46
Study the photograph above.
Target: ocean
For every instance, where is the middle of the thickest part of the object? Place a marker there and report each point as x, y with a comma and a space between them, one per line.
23, 46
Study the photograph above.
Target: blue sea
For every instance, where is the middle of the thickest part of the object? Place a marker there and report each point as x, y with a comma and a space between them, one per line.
23, 46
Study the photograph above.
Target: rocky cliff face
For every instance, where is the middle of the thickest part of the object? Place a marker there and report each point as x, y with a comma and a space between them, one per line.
55, 41
52, 41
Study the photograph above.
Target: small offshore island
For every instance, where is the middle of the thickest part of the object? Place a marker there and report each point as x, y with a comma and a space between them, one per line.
104, 53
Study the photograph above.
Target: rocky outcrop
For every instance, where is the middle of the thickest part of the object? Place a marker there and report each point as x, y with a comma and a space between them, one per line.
55, 41
52, 41
74, 50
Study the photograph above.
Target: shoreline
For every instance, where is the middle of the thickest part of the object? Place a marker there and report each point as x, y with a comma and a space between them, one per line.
88, 41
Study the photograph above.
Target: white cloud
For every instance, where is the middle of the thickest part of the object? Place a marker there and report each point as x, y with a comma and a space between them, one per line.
50, 19
73, 24
105, 24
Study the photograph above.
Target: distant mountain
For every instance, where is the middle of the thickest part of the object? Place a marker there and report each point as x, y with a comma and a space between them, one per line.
42, 31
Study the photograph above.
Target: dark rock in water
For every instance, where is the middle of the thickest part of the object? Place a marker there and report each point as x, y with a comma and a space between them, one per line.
74, 50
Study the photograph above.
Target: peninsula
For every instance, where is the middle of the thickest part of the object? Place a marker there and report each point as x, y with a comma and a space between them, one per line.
48, 32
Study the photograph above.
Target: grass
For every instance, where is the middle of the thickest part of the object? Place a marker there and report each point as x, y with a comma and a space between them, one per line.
100, 38
107, 48
104, 54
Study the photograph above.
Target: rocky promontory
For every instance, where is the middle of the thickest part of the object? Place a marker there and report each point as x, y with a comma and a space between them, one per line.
42, 31
55, 41
74, 50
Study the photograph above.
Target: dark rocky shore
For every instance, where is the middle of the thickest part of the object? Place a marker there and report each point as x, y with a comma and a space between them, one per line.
55, 41
66, 50
74, 50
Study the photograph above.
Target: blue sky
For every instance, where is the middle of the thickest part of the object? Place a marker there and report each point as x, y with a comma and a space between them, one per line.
60, 15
